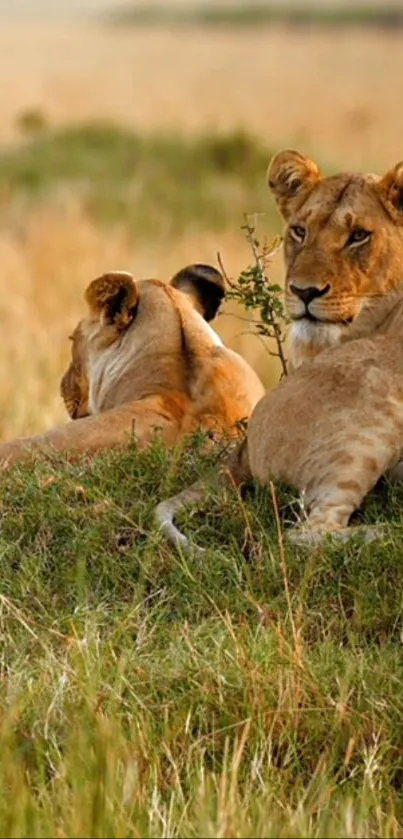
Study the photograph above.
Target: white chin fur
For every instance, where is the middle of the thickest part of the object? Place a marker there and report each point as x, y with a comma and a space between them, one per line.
312, 335
317, 332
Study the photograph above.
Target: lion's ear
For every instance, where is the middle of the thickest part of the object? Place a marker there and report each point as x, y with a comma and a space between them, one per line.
113, 298
204, 284
291, 177
390, 189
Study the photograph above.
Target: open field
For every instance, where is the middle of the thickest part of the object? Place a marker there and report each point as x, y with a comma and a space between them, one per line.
91, 9
256, 693
331, 92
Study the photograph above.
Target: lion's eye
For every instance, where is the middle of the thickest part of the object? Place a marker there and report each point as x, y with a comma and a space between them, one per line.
358, 236
298, 232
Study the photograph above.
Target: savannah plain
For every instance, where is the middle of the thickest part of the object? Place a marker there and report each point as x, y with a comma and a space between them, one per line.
143, 693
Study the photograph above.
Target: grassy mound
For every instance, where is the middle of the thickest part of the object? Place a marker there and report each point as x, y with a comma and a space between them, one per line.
148, 694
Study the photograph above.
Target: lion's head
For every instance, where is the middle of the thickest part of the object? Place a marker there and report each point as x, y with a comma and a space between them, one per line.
145, 360
343, 245
137, 323
148, 346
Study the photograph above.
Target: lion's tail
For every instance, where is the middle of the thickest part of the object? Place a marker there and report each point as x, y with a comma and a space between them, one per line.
166, 511
236, 471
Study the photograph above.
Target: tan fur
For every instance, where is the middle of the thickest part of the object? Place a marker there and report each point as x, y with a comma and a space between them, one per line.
143, 358
331, 428
344, 274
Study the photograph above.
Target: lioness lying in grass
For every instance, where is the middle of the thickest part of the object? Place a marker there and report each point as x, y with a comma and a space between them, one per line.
330, 429
145, 358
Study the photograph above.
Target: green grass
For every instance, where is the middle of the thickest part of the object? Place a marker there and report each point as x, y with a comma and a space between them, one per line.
149, 182
148, 694
258, 14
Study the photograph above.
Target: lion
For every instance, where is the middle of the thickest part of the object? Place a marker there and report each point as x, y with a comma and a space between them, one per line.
343, 245
329, 430
343, 251
144, 358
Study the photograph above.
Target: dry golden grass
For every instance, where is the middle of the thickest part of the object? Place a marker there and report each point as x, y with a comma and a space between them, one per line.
332, 92
329, 93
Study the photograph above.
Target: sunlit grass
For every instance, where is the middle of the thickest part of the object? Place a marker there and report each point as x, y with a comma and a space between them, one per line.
145, 694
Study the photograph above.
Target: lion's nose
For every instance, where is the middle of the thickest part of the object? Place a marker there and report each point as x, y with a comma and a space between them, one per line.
310, 293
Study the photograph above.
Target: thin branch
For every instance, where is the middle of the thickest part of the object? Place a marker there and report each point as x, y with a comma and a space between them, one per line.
223, 271
272, 319
255, 292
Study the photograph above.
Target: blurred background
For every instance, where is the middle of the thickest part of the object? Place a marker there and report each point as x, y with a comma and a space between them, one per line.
136, 136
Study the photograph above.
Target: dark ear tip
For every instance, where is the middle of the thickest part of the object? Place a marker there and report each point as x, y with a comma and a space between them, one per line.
205, 283
199, 272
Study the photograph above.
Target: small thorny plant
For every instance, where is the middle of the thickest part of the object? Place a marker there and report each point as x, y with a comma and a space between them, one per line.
255, 292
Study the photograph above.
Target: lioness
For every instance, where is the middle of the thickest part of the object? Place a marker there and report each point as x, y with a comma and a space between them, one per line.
343, 245
330, 429
145, 357
343, 248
